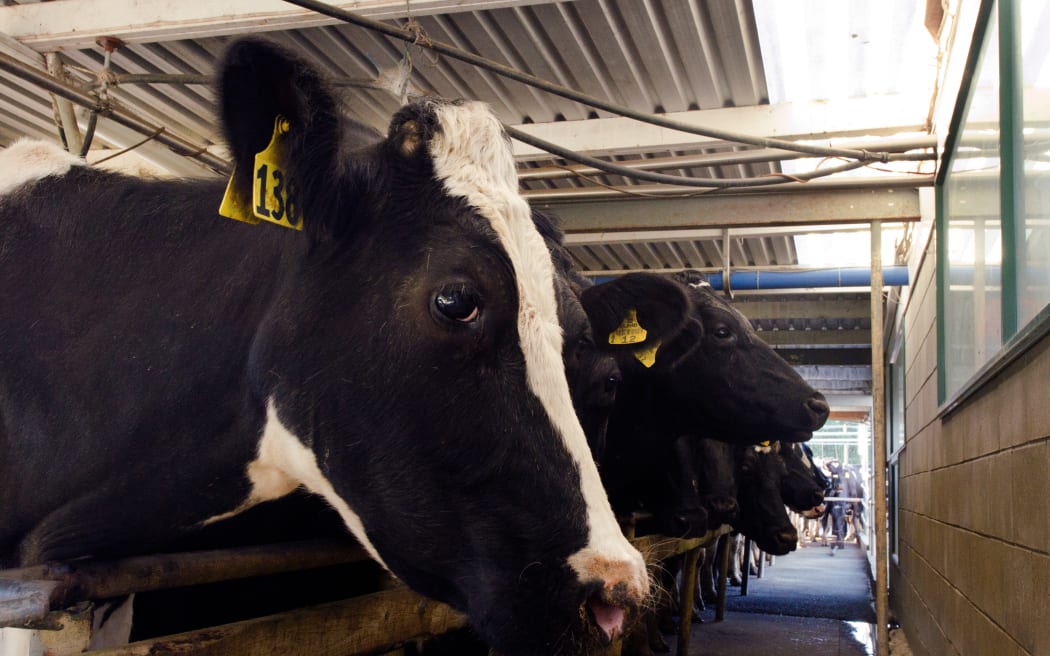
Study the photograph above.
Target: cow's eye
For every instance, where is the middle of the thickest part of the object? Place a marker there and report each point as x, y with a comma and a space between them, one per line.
457, 304
722, 332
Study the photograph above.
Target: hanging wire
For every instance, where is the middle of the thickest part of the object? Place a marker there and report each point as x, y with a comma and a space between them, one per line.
105, 78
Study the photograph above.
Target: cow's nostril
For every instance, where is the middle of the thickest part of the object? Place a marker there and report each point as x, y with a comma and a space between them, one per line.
787, 537
818, 408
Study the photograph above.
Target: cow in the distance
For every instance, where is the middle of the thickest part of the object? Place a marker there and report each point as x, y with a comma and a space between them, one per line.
163, 368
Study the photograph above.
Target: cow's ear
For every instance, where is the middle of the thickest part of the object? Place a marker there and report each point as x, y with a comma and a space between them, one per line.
277, 107
636, 311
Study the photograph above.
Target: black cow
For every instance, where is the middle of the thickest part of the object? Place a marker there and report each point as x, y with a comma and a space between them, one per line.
715, 465
590, 363
162, 367
762, 515
804, 484
714, 379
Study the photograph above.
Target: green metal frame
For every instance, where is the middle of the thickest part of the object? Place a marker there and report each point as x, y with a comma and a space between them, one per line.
1011, 156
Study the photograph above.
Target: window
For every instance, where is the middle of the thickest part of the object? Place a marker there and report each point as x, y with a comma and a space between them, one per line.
993, 232
1033, 229
971, 228
895, 400
893, 485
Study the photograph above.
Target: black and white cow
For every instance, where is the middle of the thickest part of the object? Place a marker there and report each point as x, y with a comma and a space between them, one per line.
163, 367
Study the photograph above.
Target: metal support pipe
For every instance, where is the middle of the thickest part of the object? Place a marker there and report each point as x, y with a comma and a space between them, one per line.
117, 114
66, 116
878, 439
842, 277
208, 80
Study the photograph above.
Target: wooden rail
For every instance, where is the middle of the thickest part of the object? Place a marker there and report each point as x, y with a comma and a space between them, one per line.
49, 598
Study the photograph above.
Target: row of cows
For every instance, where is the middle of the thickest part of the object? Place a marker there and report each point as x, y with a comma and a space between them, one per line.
413, 346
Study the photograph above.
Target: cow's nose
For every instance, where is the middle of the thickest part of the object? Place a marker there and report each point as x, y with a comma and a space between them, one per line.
818, 409
690, 524
787, 537
624, 585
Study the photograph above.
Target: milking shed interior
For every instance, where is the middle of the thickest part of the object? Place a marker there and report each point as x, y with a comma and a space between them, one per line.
840, 152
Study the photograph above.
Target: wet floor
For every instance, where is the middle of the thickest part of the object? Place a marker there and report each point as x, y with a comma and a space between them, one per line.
807, 603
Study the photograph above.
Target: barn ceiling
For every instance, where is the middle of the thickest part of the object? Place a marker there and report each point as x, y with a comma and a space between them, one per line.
815, 72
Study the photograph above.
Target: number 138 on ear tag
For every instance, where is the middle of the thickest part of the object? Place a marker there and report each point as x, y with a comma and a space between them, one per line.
275, 194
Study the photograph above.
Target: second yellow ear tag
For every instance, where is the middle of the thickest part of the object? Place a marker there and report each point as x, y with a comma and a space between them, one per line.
647, 356
630, 331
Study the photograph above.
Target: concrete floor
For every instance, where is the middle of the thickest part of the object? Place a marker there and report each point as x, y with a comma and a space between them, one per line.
808, 603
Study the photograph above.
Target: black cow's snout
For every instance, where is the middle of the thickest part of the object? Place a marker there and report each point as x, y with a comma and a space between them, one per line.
721, 510
787, 538
818, 409
689, 523
816, 498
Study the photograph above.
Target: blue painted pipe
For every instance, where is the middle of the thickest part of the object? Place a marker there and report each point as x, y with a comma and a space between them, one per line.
892, 276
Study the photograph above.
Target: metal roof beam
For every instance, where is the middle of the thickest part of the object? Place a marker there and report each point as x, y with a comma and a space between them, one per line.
756, 309
841, 357
737, 210
821, 120
850, 337
75, 24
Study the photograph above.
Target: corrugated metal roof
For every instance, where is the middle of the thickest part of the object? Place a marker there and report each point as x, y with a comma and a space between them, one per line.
657, 56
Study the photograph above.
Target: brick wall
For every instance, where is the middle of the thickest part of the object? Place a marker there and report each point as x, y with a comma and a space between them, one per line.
972, 574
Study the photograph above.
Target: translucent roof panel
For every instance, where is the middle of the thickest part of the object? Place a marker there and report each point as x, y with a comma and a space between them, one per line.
833, 49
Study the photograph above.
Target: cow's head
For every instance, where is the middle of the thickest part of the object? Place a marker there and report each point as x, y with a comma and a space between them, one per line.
412, 361
733, 384
717, 482
762, 517
801, 487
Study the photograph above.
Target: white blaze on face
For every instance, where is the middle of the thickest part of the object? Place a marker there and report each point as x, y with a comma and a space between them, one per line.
28, 160
473, 158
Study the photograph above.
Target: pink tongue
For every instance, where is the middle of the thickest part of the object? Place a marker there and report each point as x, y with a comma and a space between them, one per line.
609, 618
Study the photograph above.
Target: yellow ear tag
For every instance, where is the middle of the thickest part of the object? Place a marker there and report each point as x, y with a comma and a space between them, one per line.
275, 195
235, 205
629, 332
766, 443
647, 356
